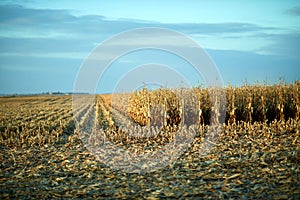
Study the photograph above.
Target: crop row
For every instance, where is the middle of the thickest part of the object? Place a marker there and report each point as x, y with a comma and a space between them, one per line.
34, 121
247, 103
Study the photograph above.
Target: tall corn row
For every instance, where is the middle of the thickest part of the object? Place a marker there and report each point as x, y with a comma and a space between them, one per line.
280, 104
296, 99
142, 102
259, 103
231, 105
139, 107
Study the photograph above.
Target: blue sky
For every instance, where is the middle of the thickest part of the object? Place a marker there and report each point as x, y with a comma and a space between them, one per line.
44, 43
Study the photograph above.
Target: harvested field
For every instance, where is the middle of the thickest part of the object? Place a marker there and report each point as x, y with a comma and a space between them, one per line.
42, 156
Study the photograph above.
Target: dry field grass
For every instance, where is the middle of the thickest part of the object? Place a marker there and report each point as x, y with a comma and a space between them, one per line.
256, 156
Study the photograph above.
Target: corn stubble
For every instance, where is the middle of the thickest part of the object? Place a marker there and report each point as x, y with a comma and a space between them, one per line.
257, 155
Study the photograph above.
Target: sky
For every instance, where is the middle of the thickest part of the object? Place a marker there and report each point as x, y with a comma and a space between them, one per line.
44, 44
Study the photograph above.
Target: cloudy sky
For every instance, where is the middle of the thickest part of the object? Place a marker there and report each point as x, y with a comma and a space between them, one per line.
43, 44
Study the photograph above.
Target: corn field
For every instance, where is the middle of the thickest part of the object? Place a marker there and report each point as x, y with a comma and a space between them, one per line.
257, 154
246, 103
